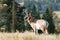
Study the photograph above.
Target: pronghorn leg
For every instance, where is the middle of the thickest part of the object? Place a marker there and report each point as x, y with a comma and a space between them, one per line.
46, 31
43, 29
36, 31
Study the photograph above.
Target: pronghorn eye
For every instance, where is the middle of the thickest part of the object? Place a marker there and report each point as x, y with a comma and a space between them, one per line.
26, 17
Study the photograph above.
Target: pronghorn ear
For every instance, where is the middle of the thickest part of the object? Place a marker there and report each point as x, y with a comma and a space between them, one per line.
29, 14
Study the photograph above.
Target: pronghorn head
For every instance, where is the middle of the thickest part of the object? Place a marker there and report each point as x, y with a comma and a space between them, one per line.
28, 17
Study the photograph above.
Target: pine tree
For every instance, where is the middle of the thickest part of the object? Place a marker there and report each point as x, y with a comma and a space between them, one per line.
5, 15
35, 12
48, 16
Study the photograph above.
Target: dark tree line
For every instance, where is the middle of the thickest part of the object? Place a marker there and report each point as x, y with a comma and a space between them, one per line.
15, 17
49, 17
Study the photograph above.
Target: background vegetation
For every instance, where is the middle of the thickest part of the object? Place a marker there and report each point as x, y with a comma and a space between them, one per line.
13, 16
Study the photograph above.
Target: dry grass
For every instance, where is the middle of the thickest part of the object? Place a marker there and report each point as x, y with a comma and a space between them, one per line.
28, 36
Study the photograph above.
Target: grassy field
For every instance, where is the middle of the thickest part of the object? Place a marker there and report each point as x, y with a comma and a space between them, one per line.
28, 36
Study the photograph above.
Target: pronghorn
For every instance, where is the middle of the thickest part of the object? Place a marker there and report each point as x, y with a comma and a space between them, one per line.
37, 24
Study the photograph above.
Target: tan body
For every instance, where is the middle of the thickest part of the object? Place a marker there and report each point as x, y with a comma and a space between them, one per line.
38, 24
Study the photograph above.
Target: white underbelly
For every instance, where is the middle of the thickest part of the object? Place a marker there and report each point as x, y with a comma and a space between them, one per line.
37, 26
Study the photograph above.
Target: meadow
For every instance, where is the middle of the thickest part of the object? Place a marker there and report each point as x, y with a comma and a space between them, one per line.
28, 36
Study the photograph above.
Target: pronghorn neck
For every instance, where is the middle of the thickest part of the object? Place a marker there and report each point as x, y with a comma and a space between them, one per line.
31, 21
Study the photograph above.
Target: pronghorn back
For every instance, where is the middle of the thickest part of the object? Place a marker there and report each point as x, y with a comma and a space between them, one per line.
42, 22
